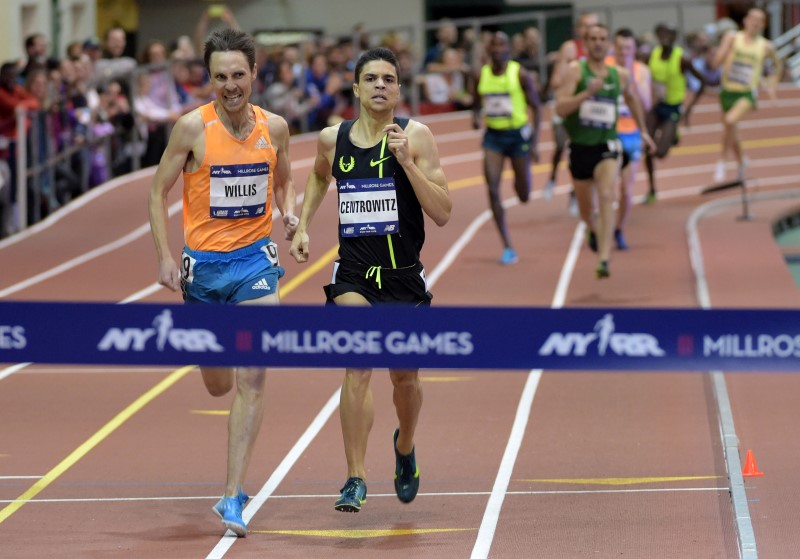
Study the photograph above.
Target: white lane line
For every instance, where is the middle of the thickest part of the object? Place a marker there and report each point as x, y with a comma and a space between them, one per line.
213, 498
75, 205
491, 515
19, 477
280, 472
8, 371
277, 476
137, 233
96, 370
730, 442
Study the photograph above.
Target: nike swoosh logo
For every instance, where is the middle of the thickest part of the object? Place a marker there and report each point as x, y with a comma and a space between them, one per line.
372, 162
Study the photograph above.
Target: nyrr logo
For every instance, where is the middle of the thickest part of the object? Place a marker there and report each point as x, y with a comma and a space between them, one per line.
164, 334
607, 339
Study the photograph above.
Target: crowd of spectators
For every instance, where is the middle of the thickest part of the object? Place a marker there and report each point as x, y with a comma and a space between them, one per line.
106, 112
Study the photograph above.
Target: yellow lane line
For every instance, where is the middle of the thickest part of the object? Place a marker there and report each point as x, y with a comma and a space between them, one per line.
444, 379
618, 480
93, 441
309, 271
678, 150
211, 412
753, 144
361, 534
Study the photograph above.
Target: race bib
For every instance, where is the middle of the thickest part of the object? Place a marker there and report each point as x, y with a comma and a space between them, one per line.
497, 105
367, 207
187, 268
598, 112
740, 72
239, 191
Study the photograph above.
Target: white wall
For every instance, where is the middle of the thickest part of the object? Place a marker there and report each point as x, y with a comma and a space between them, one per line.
25, 17
168, 19
641, 15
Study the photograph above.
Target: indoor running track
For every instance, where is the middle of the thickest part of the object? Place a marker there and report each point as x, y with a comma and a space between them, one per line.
127, 462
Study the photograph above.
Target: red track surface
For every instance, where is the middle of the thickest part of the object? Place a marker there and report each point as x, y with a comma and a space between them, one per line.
592, 476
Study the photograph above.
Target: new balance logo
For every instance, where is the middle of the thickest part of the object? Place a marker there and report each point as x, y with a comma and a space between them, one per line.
373, 163
262, 143
262, 284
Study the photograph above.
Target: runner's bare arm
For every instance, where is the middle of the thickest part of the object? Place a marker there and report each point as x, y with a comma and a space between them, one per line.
724, 49
566, 55
635, 105
771, 83
283, 187
567, 102
416, 150
179, 149
526, 80
316, 187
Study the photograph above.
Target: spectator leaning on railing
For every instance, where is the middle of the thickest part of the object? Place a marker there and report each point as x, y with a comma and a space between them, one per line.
12, 96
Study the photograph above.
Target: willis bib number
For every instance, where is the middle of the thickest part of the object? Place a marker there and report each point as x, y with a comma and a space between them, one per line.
239, 191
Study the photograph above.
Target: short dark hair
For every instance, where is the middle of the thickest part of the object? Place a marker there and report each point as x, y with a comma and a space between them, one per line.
30, 39
230, 40
379, 53
625, 33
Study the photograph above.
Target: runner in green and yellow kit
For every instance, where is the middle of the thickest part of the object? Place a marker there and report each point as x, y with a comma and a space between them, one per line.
587, 100
741, 55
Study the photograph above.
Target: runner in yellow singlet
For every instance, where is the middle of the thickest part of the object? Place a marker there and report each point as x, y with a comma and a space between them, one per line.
668, 65
505, 93
741, 55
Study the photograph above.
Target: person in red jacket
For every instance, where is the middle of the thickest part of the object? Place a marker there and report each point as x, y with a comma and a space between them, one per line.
12, 95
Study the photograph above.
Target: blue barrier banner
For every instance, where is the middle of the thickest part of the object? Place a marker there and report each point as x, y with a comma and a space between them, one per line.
401, 337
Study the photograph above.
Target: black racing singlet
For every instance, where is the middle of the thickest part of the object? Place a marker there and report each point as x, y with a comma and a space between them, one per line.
379, 225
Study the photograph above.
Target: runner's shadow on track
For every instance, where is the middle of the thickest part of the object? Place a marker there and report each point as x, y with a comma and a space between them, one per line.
604, 299
186, 532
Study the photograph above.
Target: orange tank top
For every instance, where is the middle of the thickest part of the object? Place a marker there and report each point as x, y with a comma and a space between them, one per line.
227, 201
626, 124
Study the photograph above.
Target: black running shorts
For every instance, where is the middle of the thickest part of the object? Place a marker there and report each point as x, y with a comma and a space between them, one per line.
380, 285
583, 159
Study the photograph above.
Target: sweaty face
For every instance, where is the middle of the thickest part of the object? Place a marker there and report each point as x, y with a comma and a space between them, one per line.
378, 87
624, 50
232, 79
597, 43
754, 21
499, 49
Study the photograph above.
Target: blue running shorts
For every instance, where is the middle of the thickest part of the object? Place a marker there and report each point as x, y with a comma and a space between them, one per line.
247, 273
511, 143
631, 146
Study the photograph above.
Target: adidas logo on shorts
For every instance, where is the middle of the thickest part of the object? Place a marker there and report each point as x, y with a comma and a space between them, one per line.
262, 284
262, 143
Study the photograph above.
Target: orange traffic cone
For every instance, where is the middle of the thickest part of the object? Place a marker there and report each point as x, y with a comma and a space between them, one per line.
750, 468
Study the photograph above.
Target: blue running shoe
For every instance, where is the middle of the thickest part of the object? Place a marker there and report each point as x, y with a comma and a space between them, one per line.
229, 510
406, 473
508, 257
620, 240
354, 494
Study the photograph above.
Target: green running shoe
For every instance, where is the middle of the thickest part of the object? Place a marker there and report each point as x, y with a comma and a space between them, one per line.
354, 494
